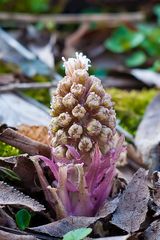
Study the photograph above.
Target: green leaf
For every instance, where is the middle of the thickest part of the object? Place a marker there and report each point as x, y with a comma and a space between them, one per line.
77, 234
123, 39
100, 72
156, 66
151, 43
23, 218
9, 173
136, 59
38, 6
156, 11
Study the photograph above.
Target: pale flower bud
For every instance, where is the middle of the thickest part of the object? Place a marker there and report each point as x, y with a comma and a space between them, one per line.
68, 155
75, 131
106, 101
85, 144
80, 76
64, 86
77, 90
60, 152
111, 123
106, 147
54, 126
57, 105
94, 127
60, 138
69, 101
102, 114
79, 111
72, 64
64, 119
105, 134
93, 100
97, 86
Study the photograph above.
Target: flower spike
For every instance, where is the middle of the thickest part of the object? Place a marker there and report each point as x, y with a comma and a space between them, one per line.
82, 133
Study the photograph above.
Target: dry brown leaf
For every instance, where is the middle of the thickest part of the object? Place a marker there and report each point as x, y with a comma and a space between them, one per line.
16, 110
10, 236
11, 196
108, 208
156, 183
38, 133
148, 77
115, 238
132, 207
26, 171
153, 231
148, 135
118, 186
8, 160
24, 168
6, 220
61, 227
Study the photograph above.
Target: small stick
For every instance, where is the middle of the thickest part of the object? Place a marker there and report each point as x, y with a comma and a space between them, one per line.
24, 86
23, 143
111, 19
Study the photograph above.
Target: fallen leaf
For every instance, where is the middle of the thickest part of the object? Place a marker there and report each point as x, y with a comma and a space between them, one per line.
156, 184
16, 110
8, 161
61, 227
119, 184
153, 231
114, 238
132, 207
147, 137
15, 197
25, 169
38, 133
148, 77
8, 236
6, 220
108, 208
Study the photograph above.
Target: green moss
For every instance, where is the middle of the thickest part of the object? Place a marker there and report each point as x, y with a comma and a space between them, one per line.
6, 67
41, 95
7, 150
130, 106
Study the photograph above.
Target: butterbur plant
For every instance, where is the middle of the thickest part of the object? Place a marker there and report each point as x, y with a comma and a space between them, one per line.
82, 132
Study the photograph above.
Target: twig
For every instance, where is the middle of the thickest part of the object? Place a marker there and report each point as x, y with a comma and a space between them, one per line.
23, 143
24, 86
110, 19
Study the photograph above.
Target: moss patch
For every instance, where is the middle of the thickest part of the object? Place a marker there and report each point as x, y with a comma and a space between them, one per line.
7, 150
41, 95
131, 105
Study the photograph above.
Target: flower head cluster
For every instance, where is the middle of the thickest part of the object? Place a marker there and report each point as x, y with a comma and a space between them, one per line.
82, 112
82, 136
